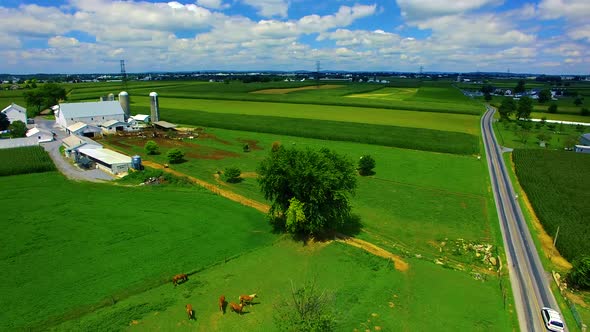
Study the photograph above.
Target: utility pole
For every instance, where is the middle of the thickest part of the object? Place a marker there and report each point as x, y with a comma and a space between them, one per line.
317, 73
123, 74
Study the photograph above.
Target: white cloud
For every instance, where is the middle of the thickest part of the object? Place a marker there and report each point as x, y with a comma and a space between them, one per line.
570, 9
269, 8
213, 4
344, 37
62, 42
425, 9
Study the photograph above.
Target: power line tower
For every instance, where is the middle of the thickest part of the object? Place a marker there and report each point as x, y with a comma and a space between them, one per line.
123, 74
317, 73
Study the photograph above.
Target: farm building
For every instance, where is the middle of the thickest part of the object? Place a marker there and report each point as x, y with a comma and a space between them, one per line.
10, 143
41, 135
83, 129
72, 143
15, 112
582, 148
92, 113
165, 125
107, 160
112, 126
585, 139
141, 118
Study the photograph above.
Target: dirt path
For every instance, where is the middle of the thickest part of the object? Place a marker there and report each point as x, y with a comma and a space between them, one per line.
399, 264
211, 187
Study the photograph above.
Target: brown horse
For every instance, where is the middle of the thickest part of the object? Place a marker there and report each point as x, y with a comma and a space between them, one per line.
190, 312
247, 299
237, 307
222, 303
179, 278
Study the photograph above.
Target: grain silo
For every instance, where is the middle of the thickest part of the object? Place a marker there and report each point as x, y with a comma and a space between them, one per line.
155, 107
111, 97
124, 101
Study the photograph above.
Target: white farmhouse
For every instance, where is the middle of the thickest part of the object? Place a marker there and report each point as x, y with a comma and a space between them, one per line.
15, 112
41, 135
92, 113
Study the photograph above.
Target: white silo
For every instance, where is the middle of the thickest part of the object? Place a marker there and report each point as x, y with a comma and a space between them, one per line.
111, 97
124, 101
155, 107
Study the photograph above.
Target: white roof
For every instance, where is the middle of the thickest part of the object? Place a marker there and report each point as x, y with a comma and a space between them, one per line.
98, 108
141, 117
34, 131
15, 107
77, 126
74, 141
110, 123
107, 156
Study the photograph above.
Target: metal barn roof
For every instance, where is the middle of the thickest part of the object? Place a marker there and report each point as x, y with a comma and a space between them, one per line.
107, 156
77, 126
98, 108
74, 141
165, 124
111, 122
16, 107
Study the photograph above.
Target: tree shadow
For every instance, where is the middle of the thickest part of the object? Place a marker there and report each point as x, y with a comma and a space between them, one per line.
352, 225
367, 173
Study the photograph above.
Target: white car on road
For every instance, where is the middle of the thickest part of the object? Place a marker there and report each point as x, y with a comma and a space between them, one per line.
552, 319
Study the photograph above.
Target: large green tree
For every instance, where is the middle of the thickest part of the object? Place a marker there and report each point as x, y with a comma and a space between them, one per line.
17, 129
4, 122
321, 183
44, 97
544, 96
507, 108
579, 276
525, 107
520, 87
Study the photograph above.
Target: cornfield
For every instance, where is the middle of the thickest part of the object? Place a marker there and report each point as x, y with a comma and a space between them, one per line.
557, 183
31, 159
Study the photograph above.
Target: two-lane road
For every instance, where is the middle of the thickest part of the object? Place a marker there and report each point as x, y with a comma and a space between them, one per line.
530, 283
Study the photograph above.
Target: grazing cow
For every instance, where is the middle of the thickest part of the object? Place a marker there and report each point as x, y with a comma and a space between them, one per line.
247, 298
237, 307
222, 303
179, 278
190, 312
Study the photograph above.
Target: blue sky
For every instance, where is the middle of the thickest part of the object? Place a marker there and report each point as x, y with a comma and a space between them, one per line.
86, 36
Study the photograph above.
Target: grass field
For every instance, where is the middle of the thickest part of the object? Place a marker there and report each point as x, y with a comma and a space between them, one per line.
510, 135
31, 159
387, 94
556, 183
391, 300
428, 120
65, 259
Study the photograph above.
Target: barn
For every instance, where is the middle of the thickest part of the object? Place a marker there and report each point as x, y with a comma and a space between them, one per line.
92, 113
41, 135
15, 112
83, 129
72, 143
112, 126
107, 160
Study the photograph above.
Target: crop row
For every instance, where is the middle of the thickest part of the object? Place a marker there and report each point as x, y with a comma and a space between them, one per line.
31, 159
394, 136
557, 183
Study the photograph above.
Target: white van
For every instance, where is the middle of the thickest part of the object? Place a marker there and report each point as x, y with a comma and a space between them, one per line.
552, 319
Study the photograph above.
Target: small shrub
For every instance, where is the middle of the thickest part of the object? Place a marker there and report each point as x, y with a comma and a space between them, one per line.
275, 146
584, 111
552, 108
175, 156
246, 147
152, 147
232, 175
366, 165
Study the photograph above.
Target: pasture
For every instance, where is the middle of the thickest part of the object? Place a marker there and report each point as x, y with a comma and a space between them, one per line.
387, 94
281, 91
556, 183
30, 159
68, 255
392, 300
557, 136
425, 196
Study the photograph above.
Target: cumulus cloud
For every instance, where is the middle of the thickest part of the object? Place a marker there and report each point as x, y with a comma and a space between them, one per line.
424, 9
213, 4
269, 8
63, 42
570, 9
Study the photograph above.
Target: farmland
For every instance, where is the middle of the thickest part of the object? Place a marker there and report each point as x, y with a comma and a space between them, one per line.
556, 183
116, 252
32, 159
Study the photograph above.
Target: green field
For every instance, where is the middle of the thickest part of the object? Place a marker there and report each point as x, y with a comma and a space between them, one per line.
174, 107
391, 300
511, 135
31, 159
66, 259
556, 183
